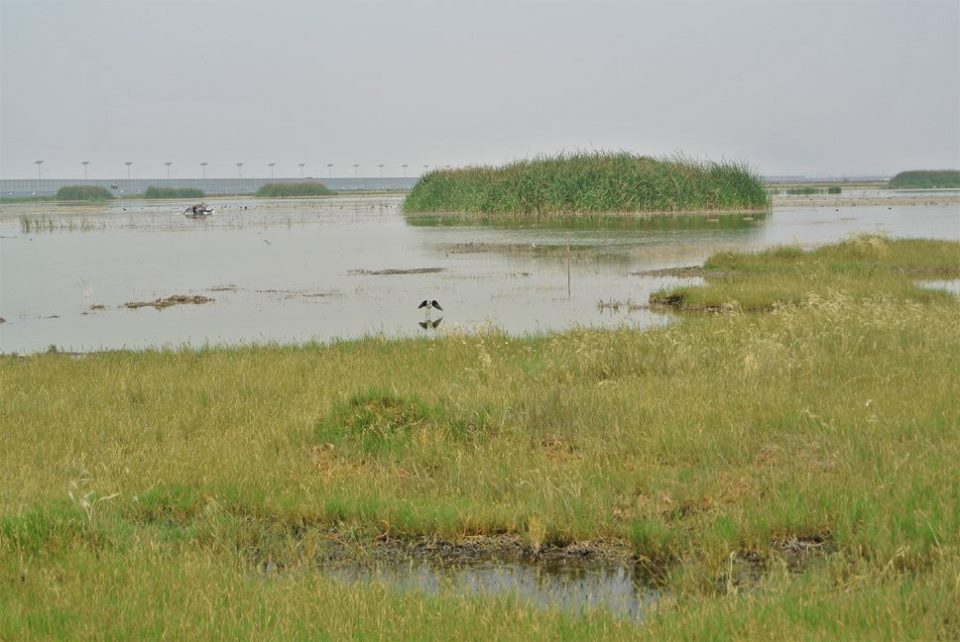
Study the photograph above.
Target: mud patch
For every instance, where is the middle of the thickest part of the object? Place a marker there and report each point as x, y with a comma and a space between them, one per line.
176, 299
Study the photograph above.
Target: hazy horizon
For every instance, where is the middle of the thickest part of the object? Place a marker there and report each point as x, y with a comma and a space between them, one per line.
791, 88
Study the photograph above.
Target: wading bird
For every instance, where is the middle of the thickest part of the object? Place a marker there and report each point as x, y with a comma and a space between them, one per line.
429, 304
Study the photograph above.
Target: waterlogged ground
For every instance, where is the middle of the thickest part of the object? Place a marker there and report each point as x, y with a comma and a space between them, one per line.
294, 271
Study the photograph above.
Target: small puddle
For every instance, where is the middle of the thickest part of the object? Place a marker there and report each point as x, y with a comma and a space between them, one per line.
952, 286
568, 585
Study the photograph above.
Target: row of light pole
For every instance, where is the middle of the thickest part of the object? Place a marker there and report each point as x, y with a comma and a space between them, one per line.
271, 165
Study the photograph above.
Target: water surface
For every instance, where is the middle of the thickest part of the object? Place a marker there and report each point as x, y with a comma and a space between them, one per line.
294, 271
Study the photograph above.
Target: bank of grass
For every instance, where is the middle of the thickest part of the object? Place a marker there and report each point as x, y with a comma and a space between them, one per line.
83, 193
587, 184
165, 477
172, 192
926, 179
293, 190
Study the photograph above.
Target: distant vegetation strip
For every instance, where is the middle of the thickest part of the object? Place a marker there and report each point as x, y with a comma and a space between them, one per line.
286, 190
590, 184
83, 193
173, 192
811, 189
926, 179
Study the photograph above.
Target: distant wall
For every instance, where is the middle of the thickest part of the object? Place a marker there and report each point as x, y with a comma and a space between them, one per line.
131, 188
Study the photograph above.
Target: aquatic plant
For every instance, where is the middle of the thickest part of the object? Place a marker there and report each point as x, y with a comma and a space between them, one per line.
172, 192
83, 193
926, 179
583, 184
293, 190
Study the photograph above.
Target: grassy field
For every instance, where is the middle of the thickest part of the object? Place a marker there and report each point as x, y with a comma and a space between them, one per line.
926, 179
587, 184
293, 190
814, 410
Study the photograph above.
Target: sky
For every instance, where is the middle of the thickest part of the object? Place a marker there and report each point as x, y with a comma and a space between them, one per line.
790, 88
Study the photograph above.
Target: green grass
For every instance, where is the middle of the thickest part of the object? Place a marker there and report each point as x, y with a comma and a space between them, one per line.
293, 190
926, 179
172, 192
787, 275
587, 184
138, 490
83, 193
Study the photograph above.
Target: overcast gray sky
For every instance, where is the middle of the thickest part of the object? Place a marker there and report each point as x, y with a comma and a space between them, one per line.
815, 88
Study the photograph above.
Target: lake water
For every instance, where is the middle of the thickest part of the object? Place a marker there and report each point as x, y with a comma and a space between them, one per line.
295, 271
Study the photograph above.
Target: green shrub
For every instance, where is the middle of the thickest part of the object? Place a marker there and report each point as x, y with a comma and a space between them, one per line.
286, 190
83, 193
173, 192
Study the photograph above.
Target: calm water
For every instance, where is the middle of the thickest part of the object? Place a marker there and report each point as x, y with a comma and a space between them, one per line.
293, 271
574, 587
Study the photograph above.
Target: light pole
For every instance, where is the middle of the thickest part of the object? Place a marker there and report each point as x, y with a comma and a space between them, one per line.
38, 164
426, 168
301, 169
404, 166
356, 170
128, 164
84, 163
168, 164
271, 169
381, 169
329, 170
203, 169
239, 170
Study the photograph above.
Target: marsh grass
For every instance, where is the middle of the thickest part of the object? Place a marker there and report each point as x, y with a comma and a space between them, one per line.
926, 179
83, 193
293, 190
140, 491
566, 187
154, 192
864, 268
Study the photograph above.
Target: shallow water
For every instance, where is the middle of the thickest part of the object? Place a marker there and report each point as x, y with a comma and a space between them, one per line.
575, 587
295, 271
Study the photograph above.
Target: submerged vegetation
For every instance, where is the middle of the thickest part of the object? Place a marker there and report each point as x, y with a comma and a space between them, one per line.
926, 179
83, 193
787, 472
172, 192
293, 190
588, 184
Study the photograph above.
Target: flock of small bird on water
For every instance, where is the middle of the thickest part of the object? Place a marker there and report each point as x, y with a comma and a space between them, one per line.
202, 210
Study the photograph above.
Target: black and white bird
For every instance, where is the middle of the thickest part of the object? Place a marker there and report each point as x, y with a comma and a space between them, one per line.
429, 304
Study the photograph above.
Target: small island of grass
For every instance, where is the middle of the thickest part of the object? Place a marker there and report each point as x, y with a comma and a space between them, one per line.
83, 193
565, 187
926, 179
173, 192
293, 190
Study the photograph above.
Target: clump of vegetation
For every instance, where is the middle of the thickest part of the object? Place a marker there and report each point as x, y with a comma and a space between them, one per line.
293, 190
765, 280
584, 184
173, 192
813, 189
83, 193
926, 179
